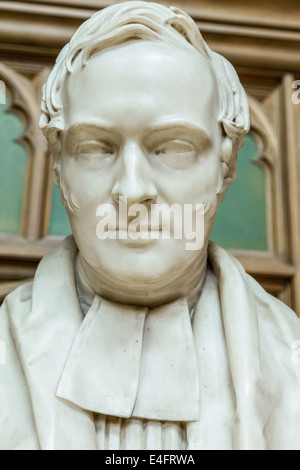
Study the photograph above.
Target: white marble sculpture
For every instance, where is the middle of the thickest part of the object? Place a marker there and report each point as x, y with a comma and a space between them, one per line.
144, 344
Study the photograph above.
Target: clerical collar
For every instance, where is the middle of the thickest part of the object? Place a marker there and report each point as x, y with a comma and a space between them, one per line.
142, 361
135, 362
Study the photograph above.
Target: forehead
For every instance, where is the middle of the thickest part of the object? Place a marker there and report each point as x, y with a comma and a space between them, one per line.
140, 82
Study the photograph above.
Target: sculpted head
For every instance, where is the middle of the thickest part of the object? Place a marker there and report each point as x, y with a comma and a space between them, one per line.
138, 106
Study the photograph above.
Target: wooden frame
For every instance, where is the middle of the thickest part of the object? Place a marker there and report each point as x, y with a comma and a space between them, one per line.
250, 34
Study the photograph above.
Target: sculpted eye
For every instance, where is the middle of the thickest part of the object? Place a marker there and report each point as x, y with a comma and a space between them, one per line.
175, 146
95, 148
177, 154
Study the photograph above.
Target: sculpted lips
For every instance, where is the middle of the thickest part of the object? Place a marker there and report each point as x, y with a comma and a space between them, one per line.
138, 233
149, 229
133, 237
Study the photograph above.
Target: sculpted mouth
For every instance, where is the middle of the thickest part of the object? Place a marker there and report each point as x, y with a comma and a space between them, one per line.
135, 236
149, 229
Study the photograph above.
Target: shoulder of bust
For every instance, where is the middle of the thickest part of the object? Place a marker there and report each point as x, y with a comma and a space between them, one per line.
22, 295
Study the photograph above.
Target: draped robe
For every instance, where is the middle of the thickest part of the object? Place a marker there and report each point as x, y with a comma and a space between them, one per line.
249, 384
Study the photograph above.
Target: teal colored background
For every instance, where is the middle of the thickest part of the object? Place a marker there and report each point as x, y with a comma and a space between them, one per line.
241, 221
59, 222
13, 161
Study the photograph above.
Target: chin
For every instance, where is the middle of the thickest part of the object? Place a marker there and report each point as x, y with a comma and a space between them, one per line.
143, 265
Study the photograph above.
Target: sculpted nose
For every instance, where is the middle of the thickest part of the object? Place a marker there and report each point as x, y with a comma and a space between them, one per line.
134, 180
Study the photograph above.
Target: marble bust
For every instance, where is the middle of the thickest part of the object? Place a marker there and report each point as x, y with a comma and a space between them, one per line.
138, 342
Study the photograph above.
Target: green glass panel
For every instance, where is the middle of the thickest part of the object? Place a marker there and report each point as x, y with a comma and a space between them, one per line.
241, 220
59, 222
13, 161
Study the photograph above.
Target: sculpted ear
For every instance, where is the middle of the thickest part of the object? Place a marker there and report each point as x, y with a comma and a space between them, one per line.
54, 138
229, 154
56, 174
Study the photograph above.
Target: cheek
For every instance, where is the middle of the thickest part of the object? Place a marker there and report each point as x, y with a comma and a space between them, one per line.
89, 187
205, 181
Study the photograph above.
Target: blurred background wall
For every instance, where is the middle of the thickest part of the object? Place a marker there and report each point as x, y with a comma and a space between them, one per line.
260, 218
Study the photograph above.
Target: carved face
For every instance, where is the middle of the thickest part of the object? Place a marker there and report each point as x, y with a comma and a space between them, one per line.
141, 122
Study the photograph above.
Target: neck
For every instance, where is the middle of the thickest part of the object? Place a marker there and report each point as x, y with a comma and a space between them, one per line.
185, 283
